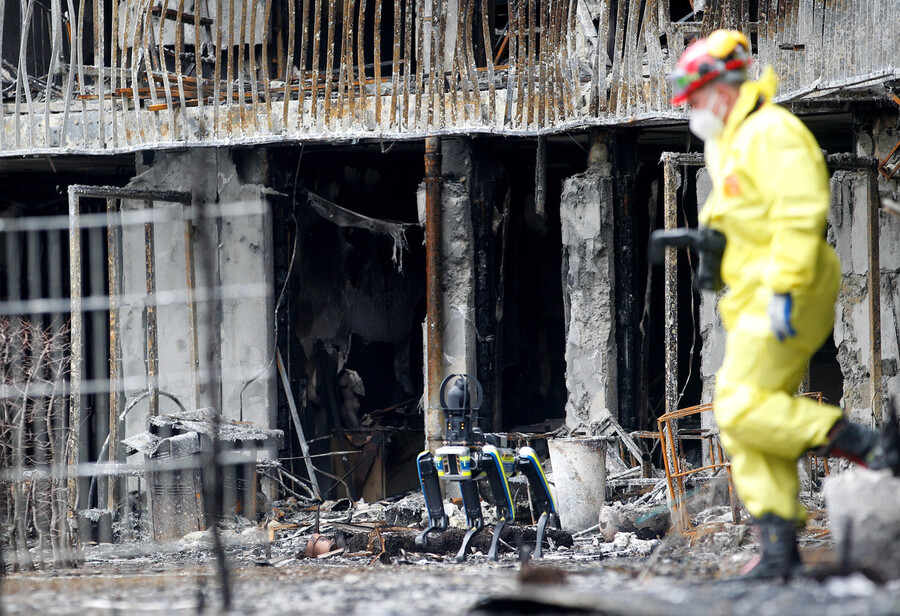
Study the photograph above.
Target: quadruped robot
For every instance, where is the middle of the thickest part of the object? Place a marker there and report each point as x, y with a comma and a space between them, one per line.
467, 456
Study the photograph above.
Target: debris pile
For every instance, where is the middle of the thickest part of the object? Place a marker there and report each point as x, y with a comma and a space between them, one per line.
863, 506
298, 549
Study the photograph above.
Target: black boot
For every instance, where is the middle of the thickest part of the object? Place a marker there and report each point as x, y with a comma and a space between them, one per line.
850, 441
871, 448
778, 554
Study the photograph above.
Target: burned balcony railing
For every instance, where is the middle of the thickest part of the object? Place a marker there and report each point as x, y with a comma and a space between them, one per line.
118, 75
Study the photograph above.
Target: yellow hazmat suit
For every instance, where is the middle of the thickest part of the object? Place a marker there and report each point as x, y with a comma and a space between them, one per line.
770, 198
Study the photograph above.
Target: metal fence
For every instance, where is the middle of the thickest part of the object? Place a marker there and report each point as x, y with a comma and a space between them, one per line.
114, 75
115, 420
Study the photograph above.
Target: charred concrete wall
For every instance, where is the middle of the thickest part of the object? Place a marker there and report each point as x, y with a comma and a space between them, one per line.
586, 214
243, 337
876, 135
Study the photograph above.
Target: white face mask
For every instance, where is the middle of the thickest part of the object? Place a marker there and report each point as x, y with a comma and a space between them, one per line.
706, 123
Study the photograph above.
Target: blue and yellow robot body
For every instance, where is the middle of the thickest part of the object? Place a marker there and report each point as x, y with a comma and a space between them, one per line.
469, 456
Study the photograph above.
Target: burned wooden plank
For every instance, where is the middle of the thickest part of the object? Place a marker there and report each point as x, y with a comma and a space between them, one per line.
23, 82
161, 66
304, 43
449, 541
438, 68
618, 50
570, 94
657, 76
147, 40
254, 79
181, 17
473, 90
242, 36
56, 36
361, 59
394, 119
179, 74
489, 61
513, 74
198, 70
129, 34
553, 40
314, 62
408, 8
419, 10
530, 61
218, 71
379, 6
329, 59
541, 100
100, 82
116, 392
598, 75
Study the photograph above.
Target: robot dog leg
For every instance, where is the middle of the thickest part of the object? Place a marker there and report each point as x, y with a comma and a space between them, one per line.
434, 502
497, 480
474, 520
527, 463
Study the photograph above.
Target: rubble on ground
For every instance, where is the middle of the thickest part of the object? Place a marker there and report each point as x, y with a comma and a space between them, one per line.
863, 506
646, 521
340, 556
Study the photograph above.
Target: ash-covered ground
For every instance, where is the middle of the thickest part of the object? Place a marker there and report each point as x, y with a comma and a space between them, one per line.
373, 569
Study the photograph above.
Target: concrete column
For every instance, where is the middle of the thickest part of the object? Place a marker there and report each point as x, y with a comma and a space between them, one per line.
712, 332
876, 135
243, 337
457, 273
586, 215
848, 233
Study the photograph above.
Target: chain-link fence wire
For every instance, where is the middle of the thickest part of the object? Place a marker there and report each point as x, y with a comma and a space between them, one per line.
136, 375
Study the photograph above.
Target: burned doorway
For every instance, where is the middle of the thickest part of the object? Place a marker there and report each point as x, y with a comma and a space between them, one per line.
531, 364
350, 285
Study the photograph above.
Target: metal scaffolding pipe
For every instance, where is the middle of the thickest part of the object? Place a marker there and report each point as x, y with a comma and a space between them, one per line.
434, 335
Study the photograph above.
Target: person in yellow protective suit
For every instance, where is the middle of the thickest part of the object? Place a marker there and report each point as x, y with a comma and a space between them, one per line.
770, 199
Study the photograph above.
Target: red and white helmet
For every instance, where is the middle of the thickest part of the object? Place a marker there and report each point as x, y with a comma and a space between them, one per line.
723, 54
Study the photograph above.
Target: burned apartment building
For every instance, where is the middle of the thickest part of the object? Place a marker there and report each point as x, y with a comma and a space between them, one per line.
330, 206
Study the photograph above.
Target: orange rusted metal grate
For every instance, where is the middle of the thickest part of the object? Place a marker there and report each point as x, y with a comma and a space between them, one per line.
676, 469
